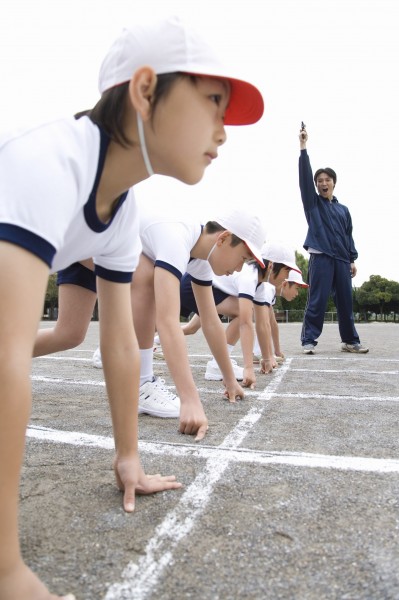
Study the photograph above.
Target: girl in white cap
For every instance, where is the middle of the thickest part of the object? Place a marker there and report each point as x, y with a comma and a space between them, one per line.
291, 286
289, 290
66, 195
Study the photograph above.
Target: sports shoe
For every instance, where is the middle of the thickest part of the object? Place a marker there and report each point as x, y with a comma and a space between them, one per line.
213, 373
96, 360
356, 348
308, 349
156, 400
157, 352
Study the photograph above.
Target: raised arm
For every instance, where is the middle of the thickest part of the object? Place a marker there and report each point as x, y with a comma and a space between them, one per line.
306, 185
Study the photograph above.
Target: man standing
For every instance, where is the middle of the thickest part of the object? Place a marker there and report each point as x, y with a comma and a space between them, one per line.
332, 255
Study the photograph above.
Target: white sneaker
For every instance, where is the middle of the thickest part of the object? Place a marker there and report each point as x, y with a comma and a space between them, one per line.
96, 360
157, 352
213, 373
156, 400
308, 349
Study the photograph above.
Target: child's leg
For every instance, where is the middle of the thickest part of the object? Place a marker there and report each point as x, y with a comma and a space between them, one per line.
229, 307
143, 303
75, 310
22, 289
192, 326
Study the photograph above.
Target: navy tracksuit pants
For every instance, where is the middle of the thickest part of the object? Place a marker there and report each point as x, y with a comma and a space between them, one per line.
328, 275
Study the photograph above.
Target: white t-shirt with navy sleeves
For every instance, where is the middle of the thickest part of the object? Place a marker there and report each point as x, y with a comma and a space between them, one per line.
242, 284
168, 244
49, 176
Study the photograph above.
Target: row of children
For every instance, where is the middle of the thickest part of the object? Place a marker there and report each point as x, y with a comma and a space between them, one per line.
245, 294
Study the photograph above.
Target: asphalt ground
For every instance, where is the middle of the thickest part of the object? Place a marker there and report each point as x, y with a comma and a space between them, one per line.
293, 494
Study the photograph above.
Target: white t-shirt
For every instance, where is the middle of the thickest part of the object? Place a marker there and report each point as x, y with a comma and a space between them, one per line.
242, 284
49, 176
269, 293
168, 244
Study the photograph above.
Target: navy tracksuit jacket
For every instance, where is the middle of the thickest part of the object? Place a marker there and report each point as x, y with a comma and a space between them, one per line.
329, 232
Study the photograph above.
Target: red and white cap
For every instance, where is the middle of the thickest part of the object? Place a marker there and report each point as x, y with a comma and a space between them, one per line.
279, 252
169, 46
295, 277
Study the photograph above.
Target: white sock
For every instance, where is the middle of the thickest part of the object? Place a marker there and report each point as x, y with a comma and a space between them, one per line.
146, 365
257, 350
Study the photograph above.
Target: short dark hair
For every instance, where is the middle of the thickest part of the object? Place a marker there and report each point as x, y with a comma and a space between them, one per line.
330, 172
109, 112
214, 226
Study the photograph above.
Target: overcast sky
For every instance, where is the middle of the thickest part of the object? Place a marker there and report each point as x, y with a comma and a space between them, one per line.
333, 64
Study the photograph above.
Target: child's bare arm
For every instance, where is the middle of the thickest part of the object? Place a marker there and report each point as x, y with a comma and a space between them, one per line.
193, 420
120, 356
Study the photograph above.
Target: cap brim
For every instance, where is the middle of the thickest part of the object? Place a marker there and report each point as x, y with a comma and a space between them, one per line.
256, 253
246, 104
293, 267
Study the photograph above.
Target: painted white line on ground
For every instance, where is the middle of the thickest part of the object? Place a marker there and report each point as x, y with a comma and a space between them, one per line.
58, 380
360, 371
248, 393
238, 357
346, 398
216, 453
345, 357
64, 358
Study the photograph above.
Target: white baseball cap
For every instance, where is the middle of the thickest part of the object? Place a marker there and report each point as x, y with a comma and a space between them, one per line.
295, 277
169, 46
248, 228
279, 252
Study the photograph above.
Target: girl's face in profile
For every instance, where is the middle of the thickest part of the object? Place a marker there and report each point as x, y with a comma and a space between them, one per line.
289, 292
187, 128
277, 280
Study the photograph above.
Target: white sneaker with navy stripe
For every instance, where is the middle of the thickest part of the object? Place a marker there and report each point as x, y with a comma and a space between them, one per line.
156, 400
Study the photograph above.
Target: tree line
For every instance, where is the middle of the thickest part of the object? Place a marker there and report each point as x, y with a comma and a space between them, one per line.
378, 296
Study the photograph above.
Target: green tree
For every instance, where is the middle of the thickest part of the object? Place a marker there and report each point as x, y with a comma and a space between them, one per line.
51, 298
378, 295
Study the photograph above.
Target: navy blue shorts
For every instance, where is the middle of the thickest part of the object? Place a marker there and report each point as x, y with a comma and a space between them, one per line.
78, 274
188, 304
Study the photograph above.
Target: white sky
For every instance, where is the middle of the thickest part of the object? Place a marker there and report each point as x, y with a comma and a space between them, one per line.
332, 63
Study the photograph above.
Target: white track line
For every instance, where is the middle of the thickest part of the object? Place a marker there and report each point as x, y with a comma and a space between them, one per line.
248, 393
236, 455
362, 371
338, 397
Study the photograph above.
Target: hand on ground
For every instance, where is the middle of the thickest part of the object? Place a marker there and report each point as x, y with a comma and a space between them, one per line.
234, 392
131, 479
193, 421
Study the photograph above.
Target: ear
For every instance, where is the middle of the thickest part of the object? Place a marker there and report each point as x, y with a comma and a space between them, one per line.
141, 88
222, 237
